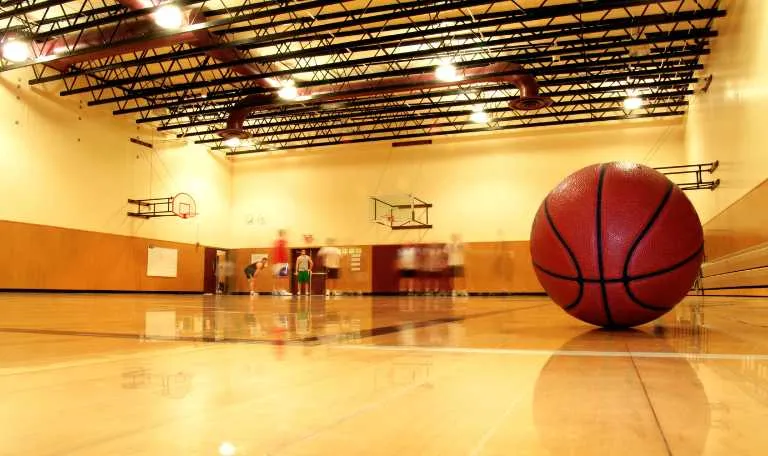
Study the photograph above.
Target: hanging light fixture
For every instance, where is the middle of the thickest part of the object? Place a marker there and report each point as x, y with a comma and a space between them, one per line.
446, 72
479, 115
169, 17
288, 91
633, 102
16, 50
233, 142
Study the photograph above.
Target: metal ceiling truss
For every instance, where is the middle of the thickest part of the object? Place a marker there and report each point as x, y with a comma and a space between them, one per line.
585, 55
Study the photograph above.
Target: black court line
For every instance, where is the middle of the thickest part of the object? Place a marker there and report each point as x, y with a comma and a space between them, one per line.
650, 404
737, 270
373, 332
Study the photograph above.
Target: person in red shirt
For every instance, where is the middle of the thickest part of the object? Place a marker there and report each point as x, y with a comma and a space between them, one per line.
280, 268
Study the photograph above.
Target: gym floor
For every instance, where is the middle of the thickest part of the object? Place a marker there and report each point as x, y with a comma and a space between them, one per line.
206, 375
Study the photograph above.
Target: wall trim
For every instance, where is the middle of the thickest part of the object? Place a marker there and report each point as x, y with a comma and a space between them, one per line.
48, 290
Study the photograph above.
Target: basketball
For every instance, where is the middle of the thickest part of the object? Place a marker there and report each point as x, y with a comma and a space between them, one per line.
616, 244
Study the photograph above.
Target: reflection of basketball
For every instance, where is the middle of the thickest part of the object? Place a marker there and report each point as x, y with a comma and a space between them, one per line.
616, 244
610, 405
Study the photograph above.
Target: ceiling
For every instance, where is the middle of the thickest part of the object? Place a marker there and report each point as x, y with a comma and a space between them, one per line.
365, 70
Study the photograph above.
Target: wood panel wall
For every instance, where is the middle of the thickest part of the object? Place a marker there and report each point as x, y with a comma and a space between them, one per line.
491, 267
50, 258
741, 225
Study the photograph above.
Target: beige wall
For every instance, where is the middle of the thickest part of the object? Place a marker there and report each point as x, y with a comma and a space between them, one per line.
486, 188
67, 165
728, 123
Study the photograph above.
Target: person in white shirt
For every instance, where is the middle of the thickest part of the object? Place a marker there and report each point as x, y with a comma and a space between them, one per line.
331, 257
455, 251
304, 271
407, 264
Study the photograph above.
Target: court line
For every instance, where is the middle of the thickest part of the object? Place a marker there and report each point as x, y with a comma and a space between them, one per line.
480, 446
8, 371
574, 353
653, 409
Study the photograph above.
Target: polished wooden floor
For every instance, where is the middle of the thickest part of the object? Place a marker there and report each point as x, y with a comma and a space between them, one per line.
192, 375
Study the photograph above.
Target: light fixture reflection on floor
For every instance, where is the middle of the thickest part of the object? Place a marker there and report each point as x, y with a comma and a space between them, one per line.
227, 449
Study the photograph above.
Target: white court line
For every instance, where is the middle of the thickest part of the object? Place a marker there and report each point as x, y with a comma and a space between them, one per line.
478, 449
100, 360
575, 353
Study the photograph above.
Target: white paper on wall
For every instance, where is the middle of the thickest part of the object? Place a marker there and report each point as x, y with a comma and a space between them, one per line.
256, 257
162, 262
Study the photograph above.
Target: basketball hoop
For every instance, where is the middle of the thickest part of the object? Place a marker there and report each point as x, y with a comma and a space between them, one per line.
183, 205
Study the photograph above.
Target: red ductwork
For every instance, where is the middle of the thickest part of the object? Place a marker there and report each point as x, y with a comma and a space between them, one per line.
528, 100
96, 38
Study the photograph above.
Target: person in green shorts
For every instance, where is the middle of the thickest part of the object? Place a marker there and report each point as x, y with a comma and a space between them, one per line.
304, 271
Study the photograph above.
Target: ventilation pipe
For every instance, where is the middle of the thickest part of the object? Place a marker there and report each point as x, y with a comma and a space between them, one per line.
97, 38
529, 98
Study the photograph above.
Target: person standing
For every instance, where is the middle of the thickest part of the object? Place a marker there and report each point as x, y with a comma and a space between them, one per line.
407, 264
331, 258
280, 268
455, 251
304, 271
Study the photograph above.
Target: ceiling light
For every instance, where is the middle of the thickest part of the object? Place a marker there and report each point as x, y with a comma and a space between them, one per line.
16, 50
633, 102
169, 17
479, 116
446, 72
288, 91
233, 142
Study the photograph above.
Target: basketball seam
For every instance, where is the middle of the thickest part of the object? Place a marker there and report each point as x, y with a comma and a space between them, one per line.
599, 229
625, 272
620, 279
636, 244
580, 278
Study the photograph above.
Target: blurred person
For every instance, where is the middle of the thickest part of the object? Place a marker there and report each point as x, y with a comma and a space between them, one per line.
433, 268
455, 251
280, 268
252, 271
407, 266
330, 256
303, 272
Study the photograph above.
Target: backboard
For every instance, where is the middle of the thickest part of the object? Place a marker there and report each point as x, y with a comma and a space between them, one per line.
400, 211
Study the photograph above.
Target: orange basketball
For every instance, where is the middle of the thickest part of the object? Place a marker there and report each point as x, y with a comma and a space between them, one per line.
616, 244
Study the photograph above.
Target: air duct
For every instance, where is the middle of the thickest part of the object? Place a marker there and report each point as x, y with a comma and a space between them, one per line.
502, 72
96, 40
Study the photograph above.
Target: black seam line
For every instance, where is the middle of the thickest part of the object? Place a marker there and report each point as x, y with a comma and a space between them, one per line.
570, 254
621, 279
599, 229
636, 244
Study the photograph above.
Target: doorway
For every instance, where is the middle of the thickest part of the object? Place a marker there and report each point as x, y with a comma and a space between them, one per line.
218, 271
209, 271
